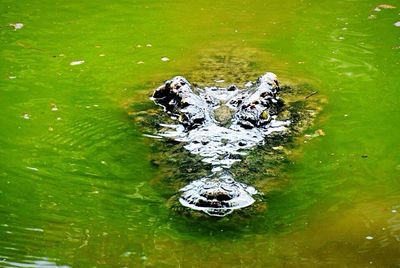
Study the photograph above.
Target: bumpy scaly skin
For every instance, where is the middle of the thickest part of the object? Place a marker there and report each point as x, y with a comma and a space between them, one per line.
218, 124
217, 195
179, 100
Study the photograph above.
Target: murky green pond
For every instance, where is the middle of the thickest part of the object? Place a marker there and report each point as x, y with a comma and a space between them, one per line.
77, 187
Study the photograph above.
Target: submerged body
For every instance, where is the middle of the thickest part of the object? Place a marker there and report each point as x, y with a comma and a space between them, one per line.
219, 125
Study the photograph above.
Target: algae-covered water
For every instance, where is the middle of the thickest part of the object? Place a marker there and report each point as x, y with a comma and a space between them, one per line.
78, 189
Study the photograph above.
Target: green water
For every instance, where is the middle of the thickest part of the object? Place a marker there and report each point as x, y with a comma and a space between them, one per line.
77, 187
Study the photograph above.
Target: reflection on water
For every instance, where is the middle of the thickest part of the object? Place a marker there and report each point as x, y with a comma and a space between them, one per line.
76, 184
31, 262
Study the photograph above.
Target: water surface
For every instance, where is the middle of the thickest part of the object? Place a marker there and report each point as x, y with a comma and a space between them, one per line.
77, 188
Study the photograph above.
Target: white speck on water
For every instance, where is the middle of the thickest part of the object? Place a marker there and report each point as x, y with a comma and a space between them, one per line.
397, 24
54, 107
369, 237
219, 81
101, 55
103, 162
17, 25
51, 128
78, 62
394, 211
26, 116
149, 45
126, 254
32, 168
341, 38
383, 6
12, 77
59, 118
95, 105
140, 62
139, 46
87, 107
346, 115
35, 229
143, 258
164, 59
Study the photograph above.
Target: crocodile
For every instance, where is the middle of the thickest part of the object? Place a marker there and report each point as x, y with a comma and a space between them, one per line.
220, 125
